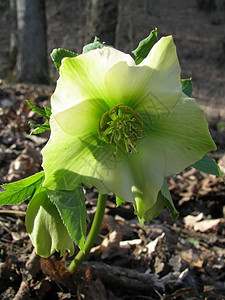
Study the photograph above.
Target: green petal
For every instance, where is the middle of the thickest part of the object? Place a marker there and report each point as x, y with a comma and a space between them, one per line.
82, 118
82, 77
183, 135
70, 160
164, 199
148, 171
153, 86
45, 227
154, 211
135, 178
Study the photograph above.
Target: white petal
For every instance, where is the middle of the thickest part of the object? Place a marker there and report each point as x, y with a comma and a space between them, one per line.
82, 77
153, 86
183, 135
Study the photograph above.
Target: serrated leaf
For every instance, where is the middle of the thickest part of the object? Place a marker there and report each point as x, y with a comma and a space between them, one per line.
58, 54
92, 46
48, 112
44, 112
145, 46
208, 165
72, 209
187, 87
19, 191
40, 127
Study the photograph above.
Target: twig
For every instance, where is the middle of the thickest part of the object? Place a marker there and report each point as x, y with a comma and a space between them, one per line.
16, 212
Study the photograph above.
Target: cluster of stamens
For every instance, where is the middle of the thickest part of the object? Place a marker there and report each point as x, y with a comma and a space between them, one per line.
122, 128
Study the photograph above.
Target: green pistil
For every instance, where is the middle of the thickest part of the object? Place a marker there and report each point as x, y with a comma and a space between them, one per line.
122, 128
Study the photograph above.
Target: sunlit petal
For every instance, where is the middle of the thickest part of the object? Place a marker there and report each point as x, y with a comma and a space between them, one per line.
153, 86
82, 77
183, 135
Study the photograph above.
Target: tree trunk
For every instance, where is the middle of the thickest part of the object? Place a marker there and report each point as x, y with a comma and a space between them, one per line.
102, 20
13, 36
32, 63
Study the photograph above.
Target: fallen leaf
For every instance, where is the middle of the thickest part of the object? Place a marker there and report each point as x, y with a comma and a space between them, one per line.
206, 225
190, 220
152, 245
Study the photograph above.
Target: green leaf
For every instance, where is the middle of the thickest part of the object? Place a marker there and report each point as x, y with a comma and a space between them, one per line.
48, 112
19, 191
193, 241
92, 46
40, 127
72, 209
58, 54
45, 227
145, 46
187, 87
44, 112
119, 201
208, 165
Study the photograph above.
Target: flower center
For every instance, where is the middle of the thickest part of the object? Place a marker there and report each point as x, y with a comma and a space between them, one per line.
121, 127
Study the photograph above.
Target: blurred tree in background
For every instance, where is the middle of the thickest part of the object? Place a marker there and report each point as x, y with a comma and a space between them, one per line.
28, 42
101, 21
13, 35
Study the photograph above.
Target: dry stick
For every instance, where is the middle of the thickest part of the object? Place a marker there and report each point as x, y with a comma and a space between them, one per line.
17, 212
23, 292
126, 279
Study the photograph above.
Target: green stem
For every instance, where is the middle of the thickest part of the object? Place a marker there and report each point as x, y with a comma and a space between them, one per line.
93, 234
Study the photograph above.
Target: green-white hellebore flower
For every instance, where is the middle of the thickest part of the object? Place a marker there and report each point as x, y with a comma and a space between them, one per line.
45, 227
123, 127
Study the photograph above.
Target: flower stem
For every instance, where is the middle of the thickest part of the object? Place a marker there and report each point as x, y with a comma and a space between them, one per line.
95, 228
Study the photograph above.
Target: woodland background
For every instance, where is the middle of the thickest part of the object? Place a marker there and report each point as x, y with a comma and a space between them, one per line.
181, 259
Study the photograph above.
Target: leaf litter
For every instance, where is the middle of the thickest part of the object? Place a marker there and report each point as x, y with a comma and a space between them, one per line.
166, 259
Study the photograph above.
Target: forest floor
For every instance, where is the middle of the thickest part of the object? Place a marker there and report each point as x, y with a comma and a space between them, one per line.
167, 259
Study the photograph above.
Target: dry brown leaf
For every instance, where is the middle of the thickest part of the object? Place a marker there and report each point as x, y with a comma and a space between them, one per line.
192, 258
190, 220
111, 243
206, 225
152, 245
57, 272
